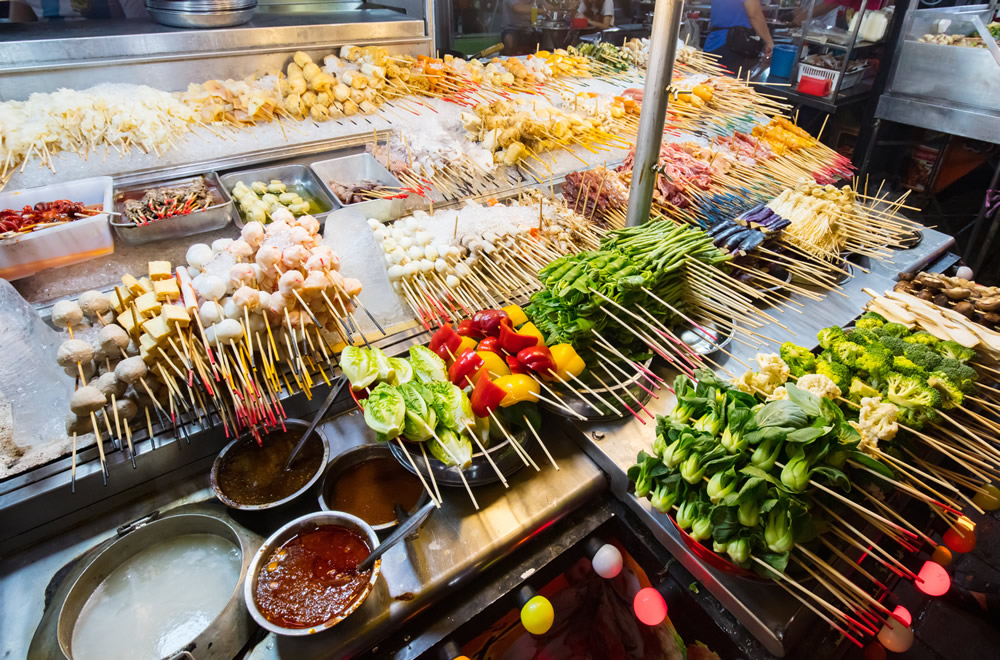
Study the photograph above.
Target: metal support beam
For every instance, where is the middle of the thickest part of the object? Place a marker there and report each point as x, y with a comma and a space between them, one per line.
659, 74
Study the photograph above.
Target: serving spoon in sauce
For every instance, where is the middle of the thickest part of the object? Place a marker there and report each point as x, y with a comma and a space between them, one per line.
400, 533
334, 391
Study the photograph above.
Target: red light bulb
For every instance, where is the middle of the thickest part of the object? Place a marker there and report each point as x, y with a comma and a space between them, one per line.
903, 615
649, 606
932, 579
963, 540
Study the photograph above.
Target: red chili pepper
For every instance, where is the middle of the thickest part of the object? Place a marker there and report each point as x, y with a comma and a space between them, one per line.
512, 341
445, 342
464, 368
468, 328
489, 320
491, 344
515, 365
486, 396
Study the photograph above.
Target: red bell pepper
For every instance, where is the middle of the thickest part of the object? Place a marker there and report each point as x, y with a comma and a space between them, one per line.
489, 320
514, 342
464, 368
468, 328
445, 342
486, 396
516, 367
491, 344
538, 359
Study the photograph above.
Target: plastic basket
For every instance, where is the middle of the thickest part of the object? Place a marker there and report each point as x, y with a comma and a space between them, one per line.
850, 80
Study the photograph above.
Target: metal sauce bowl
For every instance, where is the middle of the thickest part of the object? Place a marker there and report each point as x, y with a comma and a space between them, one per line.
277, 539
221, 639
289, 423
351, 458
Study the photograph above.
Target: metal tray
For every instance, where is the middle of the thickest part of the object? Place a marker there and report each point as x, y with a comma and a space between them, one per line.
587, 404
355, 169
202, 19
216, 216
299, 176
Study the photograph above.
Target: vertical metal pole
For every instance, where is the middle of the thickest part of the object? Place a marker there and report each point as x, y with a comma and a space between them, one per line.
659, 74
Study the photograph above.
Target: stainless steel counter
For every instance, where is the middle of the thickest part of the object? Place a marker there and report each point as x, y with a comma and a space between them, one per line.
771, 615
454, 545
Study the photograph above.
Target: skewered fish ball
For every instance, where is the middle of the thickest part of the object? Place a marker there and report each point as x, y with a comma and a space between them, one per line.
130, 370
67, 313
109, 384
94, 303
72, 351
126, 408
113, 340
86, 400
81, 425
198, 255
228, 330
89, 369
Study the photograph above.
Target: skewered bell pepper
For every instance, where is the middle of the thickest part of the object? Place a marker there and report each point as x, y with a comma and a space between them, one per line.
489, 320
515, 365
493, 365
518, 387
538, 359
568, 362
486, 396
491, 344
445, 342
514, 342
467, 344
530, 329
464, 368
516, 315
468, 328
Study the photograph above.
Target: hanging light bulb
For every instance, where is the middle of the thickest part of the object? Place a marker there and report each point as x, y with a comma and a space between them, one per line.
932, 579
895, 636
964, 539
607, 561
649, 606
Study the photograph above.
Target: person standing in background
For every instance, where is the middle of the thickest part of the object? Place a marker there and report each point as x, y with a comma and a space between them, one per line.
600, 14
731, 33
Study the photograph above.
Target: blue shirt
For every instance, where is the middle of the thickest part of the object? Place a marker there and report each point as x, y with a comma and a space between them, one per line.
725, 14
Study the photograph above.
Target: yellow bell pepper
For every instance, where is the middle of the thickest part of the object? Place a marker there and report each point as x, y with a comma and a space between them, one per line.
493, 364
704, 92
519, 388
530, 329
516, 314
568, 363
468, 344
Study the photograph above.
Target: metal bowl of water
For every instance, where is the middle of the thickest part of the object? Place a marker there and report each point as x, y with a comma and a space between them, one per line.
169, 588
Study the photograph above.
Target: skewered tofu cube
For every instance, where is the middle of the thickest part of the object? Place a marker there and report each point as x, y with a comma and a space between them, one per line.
132, 284
175, 314
117, 303
126, 320
156, 328
147, 305
146, 284
160, 270
166, 290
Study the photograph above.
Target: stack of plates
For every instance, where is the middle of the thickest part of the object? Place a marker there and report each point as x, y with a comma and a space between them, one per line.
201, 13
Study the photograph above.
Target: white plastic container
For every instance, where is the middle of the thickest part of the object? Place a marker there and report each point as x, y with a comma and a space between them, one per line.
62, 245
354, 169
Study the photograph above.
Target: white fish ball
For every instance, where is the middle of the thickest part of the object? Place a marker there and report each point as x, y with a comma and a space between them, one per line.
66, 313
228, 330
431, 252
220, 244
210, 287
198, 255
93, 303
210, 312
72, 351
86, 400
426, 266
452, 281
109, 384
395, 272
113, 340
130, 370
415, 252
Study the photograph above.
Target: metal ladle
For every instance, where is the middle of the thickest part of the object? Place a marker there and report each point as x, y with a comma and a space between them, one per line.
400, 533
334, 391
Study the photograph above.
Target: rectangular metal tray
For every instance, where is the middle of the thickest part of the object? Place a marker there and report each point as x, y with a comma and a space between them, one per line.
355, 169
216, 216
297, 175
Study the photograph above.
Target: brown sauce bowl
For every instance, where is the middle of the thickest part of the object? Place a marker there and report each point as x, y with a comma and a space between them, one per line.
351, 458
290, 424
